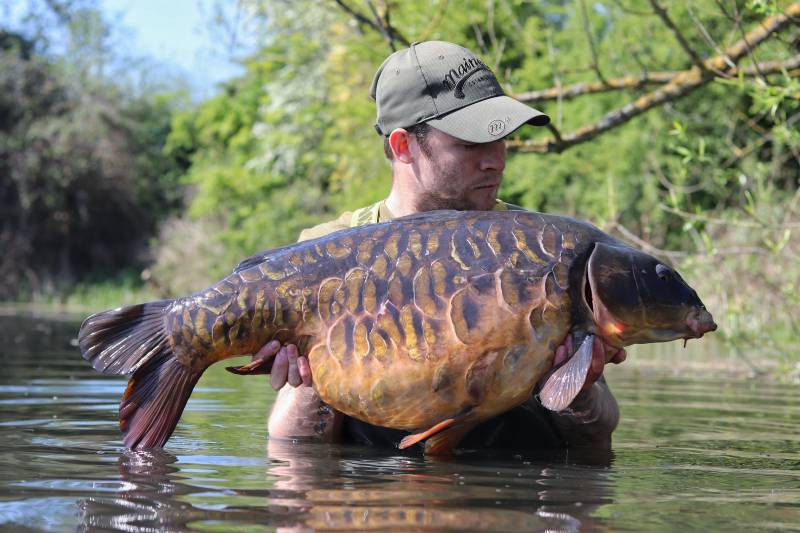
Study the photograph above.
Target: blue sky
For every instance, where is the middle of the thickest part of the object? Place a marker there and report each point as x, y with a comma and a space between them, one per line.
178, 35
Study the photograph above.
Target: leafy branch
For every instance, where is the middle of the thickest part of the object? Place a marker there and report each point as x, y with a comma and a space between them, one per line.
378, 22
679, 85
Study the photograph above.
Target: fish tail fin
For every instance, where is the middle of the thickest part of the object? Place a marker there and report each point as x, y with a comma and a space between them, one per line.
121, 340
134, 339
154, 401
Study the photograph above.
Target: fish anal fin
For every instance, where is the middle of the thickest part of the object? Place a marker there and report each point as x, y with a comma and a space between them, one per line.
443, 442
565, 383
445, 427
410, 440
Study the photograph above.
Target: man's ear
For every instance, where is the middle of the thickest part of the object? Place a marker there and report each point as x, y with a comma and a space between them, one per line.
398, 141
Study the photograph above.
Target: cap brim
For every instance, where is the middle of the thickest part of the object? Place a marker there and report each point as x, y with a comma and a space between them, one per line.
489, 120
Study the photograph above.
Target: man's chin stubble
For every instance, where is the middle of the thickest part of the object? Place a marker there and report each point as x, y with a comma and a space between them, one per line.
434, 203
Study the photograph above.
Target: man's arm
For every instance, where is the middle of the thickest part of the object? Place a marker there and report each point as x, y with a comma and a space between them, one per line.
590, 418
298, 412
594, 414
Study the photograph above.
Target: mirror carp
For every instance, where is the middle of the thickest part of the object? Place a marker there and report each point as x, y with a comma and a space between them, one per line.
430, 323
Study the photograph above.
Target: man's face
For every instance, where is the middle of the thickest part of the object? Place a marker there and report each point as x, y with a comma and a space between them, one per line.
456, 174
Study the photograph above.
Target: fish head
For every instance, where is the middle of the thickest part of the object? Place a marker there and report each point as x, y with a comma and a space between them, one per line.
634, 298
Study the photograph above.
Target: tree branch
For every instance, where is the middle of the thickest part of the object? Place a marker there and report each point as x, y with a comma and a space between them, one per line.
556, 80
435, 21
390, 31
652, 78
742, 152
664, 16
579, 89
643, 244
381, 26
588, 31
680, 85
646, 246
706, 36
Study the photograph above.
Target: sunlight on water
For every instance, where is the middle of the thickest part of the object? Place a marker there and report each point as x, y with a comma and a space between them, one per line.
694, 452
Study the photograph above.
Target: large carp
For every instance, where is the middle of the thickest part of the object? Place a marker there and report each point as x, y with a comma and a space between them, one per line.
430, 323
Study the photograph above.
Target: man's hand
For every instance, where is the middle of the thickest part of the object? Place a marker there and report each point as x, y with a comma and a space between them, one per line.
294, 369
289, 366
601, 355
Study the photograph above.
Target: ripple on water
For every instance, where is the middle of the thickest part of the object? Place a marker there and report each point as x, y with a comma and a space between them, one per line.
690, 454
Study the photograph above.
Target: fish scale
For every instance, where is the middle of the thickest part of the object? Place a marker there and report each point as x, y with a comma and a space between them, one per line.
410, 324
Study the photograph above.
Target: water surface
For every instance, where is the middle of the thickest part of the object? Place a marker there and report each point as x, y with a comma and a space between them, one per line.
693, 452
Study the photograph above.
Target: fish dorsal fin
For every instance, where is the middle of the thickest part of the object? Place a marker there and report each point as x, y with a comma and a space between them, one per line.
565, 383
259, 258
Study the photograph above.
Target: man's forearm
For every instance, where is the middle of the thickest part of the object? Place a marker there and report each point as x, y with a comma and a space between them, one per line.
590, 419
300, 413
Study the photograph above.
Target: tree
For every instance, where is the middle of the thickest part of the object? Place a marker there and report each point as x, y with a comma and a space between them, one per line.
83, 182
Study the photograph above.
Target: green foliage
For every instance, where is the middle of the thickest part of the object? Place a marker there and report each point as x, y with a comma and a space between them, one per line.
751, 265
291, 143
98, 291
712, 175
83, 182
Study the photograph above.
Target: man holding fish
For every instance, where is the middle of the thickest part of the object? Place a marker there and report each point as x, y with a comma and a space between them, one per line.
443, 117
454, 324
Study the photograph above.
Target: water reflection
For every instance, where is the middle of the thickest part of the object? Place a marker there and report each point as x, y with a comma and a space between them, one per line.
691, 453
338, 489
151, 498
332, 487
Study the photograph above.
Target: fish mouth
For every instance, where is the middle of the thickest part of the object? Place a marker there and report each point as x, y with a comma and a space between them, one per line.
699, 321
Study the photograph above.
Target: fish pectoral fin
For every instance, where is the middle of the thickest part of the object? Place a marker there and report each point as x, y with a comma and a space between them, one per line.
436, 430
256, 366
565, 383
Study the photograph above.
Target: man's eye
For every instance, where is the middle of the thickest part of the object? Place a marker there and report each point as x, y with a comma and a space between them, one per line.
469, 146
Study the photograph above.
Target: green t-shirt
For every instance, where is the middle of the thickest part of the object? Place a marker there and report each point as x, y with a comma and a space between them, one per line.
371, 214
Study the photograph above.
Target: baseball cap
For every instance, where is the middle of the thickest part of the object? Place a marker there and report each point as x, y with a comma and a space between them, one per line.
451, 89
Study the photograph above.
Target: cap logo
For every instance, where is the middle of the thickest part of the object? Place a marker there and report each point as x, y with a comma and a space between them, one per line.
459, 92
496, 127
455, 79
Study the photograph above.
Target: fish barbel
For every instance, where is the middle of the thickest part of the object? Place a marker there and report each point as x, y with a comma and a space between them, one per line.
430, 323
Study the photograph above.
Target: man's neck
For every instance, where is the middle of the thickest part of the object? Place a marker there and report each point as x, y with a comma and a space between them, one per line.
400, 204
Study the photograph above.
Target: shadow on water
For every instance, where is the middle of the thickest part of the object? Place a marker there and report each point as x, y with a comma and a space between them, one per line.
335, 487
692, 453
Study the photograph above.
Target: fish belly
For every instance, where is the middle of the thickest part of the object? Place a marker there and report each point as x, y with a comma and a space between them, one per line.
436, 320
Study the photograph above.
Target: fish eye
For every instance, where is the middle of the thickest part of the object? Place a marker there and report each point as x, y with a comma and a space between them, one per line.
663, 272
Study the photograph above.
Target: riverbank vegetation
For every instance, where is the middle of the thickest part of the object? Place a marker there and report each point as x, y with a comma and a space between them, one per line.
676, 126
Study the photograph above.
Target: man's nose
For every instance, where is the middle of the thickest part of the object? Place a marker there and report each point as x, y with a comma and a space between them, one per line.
494, 156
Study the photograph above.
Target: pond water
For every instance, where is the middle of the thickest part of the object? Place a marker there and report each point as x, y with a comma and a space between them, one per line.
693, 452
